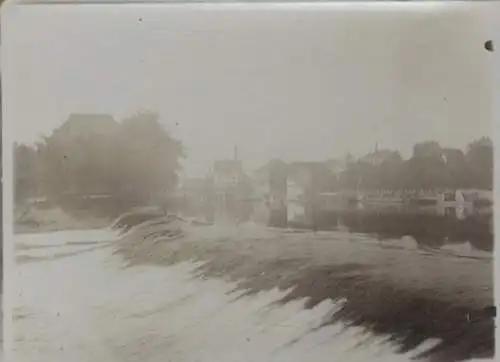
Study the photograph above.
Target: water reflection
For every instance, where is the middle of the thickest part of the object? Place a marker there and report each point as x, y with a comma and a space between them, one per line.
429, 227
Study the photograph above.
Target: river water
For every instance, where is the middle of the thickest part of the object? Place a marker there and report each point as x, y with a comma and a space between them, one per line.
76, 301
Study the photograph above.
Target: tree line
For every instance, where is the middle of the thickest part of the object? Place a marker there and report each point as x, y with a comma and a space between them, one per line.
134, 161
431, 166
137, 161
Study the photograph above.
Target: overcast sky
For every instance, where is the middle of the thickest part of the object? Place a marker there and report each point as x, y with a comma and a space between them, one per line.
276, 81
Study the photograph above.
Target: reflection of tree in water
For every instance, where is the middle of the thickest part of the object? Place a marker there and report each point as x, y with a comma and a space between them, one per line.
427, 229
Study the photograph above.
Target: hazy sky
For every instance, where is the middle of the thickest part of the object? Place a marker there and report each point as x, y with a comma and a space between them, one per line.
276, 81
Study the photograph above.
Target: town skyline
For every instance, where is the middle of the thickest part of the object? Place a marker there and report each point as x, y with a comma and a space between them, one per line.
235, 151
83, 138
291, 96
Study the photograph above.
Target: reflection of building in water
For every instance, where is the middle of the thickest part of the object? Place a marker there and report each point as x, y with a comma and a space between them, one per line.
299, 187
271, 191
270, 182
295, 201
293, 192
316, 180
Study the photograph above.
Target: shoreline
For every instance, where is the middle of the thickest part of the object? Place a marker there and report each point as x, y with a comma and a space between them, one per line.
21, 230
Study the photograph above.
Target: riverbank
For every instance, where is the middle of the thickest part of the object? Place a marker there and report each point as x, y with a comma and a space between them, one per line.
31, 219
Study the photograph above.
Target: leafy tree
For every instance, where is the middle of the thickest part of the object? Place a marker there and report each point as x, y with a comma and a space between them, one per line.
427, 149
430, 167
78, 158
426, 168
479, 159
390, 173
456, 168
135, 160
25, 171
375, 171
148, 159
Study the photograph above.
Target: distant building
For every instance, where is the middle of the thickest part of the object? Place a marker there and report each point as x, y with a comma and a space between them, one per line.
227, 173
232, 189
380, 156
295, 201
262, 178
85, 124
270, 185
313, 179
336, 166
301, 173
292, 191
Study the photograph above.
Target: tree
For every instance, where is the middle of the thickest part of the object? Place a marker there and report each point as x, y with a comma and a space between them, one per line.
134, 161
479, 159
378, 170
427, 149
25, 171
456, 168
351, 176
390, 173
79, 157
426, 168
430, 167
148, 158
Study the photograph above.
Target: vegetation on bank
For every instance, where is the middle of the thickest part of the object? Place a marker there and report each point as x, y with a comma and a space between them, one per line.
136, 162
133, 161
430, 167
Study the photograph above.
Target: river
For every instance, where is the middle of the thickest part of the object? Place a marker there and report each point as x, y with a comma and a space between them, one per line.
93, 296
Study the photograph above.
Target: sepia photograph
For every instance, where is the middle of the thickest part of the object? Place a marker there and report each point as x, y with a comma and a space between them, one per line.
249, 182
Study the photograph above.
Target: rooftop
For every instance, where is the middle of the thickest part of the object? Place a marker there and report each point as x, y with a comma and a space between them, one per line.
379, 156
79, 123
